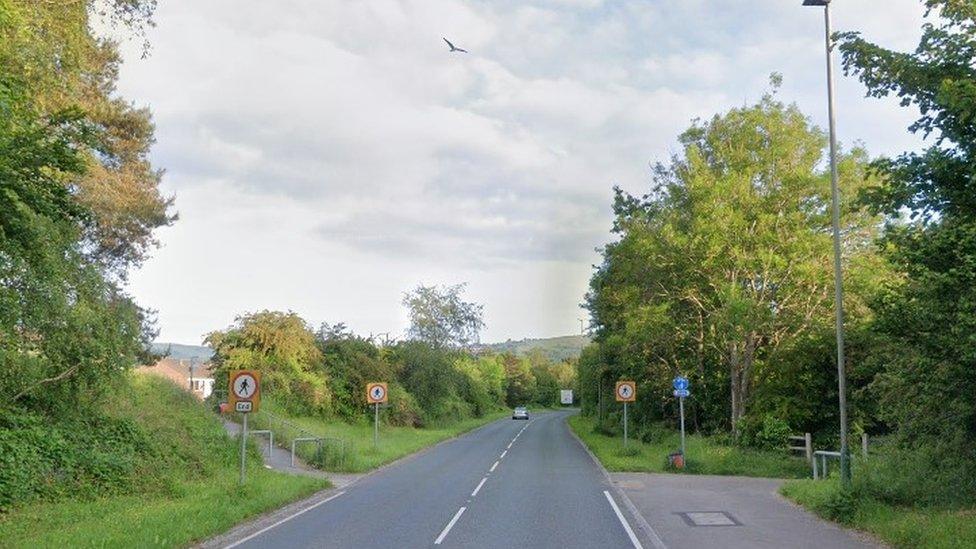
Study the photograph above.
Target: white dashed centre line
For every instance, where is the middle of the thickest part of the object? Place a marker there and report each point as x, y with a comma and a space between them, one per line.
492, 470
503, 455
450, 525
480, 484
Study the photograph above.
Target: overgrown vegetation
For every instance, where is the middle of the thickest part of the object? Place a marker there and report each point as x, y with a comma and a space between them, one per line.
153, 467
323, 374
649, 446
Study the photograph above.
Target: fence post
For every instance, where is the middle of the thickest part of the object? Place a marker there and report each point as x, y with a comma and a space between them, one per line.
864, 444
808, 442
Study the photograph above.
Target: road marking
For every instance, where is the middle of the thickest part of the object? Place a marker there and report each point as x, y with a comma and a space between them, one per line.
282, 521
492, 470
480, 484
450, 525
623, 521
510, 445
503, 455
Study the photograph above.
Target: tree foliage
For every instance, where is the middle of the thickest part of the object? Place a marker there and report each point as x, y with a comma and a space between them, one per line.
926, 320
724, 267
440, 317
283, 348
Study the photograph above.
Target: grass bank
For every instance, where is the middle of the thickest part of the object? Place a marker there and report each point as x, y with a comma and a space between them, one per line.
704, 456
903, 527
351, 448
170, 478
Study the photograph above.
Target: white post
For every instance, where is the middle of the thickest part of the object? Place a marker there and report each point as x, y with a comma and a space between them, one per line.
376, 424
681, 404
243, 446
625, 424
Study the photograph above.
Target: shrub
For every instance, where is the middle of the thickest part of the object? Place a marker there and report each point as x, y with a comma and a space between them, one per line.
767, 433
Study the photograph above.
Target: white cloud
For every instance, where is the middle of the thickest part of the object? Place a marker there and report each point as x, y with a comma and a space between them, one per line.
327, 156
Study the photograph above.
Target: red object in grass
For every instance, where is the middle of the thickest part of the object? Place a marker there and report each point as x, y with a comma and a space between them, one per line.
223, 407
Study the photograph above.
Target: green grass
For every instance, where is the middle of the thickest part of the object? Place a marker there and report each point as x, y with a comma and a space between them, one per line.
180, 486
360, 455
201, 509
704, 456
899, 526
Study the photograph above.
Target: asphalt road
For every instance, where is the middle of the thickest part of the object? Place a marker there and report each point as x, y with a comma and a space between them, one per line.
508, 484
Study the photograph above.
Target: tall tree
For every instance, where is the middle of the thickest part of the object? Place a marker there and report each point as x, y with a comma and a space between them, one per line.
440, 317
727, 259
52, 51
928, 319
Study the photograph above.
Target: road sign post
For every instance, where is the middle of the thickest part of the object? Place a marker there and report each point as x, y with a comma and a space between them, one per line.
376, 393
626, 391
244, 396
681, 386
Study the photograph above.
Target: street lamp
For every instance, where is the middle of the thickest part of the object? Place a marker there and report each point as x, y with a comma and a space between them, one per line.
845, 462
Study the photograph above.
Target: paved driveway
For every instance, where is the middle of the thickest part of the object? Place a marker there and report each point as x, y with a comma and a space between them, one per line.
700, 512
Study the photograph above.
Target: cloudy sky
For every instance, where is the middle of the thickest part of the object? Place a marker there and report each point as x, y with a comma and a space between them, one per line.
327, 155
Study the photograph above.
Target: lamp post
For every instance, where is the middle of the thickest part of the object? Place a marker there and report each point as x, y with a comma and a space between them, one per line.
845, 462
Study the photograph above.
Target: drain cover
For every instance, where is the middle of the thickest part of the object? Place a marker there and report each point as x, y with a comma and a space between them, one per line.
709, 518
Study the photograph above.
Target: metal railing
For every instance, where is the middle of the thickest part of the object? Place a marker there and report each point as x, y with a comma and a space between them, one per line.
268, 432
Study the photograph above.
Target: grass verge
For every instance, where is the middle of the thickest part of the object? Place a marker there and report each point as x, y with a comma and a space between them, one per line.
175, 482
704, 456
357, 453
902, 527
199, 510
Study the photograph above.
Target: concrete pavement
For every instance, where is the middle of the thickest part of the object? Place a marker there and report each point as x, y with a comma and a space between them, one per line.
699, 511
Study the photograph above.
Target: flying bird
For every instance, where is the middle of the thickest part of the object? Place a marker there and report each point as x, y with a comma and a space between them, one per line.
453, 47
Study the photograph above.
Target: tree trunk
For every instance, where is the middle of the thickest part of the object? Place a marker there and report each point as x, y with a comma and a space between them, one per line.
740, 372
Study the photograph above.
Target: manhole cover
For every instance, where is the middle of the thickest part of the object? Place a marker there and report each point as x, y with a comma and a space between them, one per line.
709, 518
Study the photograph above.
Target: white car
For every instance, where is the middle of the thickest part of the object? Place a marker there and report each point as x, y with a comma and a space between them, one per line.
520, 413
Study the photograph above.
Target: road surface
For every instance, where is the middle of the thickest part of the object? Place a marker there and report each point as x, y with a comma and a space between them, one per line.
508, 484
533, 485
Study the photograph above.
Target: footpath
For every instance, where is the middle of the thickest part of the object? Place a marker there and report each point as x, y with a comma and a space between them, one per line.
279, 459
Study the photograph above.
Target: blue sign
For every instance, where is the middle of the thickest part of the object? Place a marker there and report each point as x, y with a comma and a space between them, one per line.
680, 383
681, 393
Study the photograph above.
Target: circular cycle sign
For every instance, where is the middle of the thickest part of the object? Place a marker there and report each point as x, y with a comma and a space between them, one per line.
626, 391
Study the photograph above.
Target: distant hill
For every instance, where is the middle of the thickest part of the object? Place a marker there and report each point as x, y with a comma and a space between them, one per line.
556, 348
183, 352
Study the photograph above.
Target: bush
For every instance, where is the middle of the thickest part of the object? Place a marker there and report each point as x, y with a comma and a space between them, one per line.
149, 435
768, 433
403, 410
911, 477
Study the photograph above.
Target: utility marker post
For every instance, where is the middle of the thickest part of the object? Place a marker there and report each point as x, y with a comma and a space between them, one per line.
626, 392
376, 393
681, 386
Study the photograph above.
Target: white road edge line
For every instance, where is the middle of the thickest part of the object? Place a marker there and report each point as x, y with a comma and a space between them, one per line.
450, 525
492, 470
623, 521
503, 455
282, 521
480, 484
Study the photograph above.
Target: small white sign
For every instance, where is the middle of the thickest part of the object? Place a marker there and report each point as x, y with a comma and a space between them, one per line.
566, 396
244, 406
